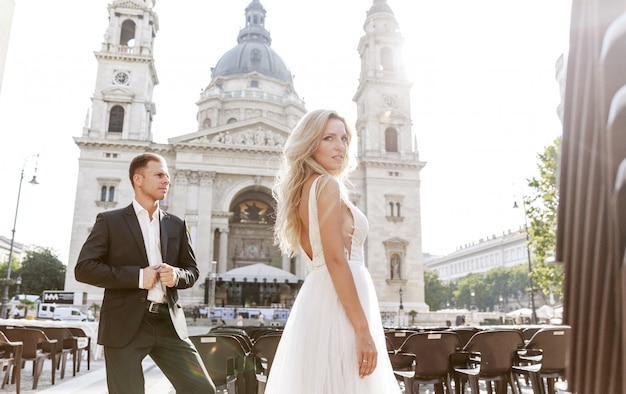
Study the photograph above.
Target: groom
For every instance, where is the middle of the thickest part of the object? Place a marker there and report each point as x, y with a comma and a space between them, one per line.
141, 255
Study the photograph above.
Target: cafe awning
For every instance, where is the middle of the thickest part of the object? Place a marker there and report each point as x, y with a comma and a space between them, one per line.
261, 272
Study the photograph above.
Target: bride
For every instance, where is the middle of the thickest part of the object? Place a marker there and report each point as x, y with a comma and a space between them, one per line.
333, 341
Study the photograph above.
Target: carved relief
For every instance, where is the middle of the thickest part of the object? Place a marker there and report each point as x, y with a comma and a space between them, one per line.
251, 137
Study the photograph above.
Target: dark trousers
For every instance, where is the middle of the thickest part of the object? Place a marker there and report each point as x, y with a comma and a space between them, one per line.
177, 358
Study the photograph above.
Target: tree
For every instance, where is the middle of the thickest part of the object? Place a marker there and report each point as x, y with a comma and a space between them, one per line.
435, 292
41, 270
541, 208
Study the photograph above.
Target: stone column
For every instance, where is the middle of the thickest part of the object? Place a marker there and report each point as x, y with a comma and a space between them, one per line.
204, 237
223, 263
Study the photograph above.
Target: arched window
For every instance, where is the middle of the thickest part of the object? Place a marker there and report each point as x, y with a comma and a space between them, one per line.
103, 193
386, 59
398, 209
116, 119
390, 209
111, 193
206, 124
231, 120
128, 32
391, 140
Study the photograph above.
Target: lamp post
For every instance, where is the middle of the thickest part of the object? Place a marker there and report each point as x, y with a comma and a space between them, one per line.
212, 288
401, 311
18, 282
533, 314
5, 294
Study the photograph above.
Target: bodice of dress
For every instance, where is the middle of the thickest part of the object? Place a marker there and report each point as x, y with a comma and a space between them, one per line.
359, 233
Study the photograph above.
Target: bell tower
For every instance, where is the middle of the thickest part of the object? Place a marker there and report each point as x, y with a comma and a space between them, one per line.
389, 166
120, 123
122, 101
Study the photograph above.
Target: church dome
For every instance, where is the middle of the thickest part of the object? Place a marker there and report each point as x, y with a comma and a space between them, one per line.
380, 6
252, 56
253, 52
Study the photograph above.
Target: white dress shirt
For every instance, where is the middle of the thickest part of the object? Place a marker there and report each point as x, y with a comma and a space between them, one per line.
151, 231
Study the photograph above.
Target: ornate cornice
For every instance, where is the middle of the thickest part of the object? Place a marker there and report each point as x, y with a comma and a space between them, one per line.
382, 163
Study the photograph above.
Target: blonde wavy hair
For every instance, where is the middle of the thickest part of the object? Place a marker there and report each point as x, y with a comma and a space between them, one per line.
297, 166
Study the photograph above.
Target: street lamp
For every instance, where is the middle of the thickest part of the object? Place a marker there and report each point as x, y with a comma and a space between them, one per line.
212, 288
401, 311
18, 282
5, 294
533, 314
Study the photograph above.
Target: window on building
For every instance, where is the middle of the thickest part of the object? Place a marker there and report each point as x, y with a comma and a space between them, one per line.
127, 33
391, 140
116, 119
394, 212
254, 83
107, 195
231, 120
386, 59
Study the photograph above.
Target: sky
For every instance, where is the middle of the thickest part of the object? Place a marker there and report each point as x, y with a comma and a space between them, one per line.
484, 97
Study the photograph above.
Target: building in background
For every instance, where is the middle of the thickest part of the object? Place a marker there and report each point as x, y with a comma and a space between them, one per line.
19, 250
222, 172
506, 250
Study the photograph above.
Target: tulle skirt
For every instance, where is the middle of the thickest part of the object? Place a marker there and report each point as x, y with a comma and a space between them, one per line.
317, 353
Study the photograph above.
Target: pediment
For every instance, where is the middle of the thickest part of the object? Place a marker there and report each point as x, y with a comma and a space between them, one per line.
131, 4
117, 93
254, 134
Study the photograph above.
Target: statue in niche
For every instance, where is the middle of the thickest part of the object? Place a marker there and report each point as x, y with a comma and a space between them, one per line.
395, 267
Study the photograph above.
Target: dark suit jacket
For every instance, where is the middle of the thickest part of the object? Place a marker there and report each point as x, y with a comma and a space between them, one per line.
111, 258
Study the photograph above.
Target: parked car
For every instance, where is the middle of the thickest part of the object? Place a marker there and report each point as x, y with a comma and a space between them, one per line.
68, 313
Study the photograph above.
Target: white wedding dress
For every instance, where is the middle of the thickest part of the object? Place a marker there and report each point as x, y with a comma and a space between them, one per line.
317, 352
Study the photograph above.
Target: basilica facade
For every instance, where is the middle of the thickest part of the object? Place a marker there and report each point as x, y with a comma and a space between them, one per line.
222, 173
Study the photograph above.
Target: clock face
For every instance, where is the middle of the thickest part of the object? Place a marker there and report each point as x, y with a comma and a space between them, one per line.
121, 78
390, 101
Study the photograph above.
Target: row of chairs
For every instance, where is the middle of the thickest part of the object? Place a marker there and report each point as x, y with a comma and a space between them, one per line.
38, 344
238, 359
470, 355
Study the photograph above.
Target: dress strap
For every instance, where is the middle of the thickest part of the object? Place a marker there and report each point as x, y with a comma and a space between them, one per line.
314, 227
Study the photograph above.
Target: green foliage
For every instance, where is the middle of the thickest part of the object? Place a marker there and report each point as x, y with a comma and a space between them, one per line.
541, 209
491, 290
41, 270
435, 293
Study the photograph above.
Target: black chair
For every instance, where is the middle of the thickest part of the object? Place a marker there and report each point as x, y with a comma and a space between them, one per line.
37, 347
66, 346
264, 350
83, 344
489, 356
431, 353
11, 361
545, 356
224, 358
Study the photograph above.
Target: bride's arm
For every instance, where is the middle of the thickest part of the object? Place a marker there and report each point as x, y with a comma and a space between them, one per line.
330, 218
